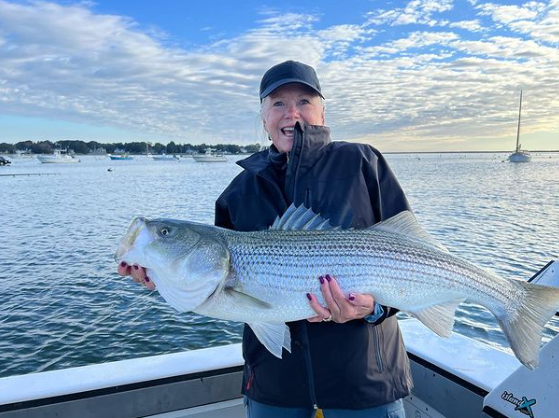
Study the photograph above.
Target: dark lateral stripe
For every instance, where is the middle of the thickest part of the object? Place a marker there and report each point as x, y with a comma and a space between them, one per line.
471, 387
116, 389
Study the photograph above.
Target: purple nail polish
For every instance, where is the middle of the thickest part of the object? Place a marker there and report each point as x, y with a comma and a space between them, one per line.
321, 280
123, 264
328, 278
309, 297
136, 267
351, 296
147, 279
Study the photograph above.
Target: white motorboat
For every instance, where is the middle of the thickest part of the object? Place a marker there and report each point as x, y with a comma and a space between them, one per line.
519, 156
58, 157
164, 157
210, 156
456, 377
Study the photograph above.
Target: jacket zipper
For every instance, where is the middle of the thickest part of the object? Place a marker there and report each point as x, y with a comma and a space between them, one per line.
378, 354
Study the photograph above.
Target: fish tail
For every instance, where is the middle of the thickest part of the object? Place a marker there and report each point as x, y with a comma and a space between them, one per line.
524, 325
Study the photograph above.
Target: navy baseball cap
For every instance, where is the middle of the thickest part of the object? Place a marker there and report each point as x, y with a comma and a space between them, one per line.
289, 72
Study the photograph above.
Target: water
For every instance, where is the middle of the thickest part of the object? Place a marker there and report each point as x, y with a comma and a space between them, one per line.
62, 303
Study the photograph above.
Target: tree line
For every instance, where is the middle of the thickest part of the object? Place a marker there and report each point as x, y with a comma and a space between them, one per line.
81, 147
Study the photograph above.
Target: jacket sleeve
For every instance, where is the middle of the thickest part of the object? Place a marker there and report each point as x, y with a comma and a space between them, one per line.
222, 214
387, 199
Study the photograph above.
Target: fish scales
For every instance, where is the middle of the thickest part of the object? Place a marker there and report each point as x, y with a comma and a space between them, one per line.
287, 261
262, 277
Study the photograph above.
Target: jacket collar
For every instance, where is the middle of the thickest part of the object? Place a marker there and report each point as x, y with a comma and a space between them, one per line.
309, 141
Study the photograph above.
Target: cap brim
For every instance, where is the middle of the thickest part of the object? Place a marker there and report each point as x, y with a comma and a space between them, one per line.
280, 83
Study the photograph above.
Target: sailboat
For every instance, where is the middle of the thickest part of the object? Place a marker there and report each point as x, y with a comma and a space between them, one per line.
519, 156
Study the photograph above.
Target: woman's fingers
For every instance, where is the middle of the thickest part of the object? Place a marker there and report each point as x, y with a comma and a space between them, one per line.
361, 300
344, 308
326, 283
123, 269
321, 311
138, 274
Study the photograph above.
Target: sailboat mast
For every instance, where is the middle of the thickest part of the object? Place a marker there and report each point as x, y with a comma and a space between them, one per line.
518, 130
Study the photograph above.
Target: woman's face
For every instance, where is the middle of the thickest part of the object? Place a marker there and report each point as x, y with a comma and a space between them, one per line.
290, 103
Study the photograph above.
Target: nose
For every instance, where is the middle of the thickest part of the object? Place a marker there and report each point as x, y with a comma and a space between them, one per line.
292, 110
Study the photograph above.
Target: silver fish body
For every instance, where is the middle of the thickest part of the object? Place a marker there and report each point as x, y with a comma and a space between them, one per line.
262, 278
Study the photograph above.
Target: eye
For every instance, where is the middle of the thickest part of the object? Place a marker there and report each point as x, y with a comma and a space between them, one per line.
277, 103
305, 101
164, 231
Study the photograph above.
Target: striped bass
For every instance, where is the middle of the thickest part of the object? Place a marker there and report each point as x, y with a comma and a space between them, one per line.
261, 278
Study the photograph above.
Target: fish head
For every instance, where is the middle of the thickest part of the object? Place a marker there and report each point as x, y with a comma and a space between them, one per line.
186, 261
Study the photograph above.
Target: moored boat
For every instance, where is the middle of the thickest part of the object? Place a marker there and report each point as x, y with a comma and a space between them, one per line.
210, 156
164, 157
58, 157
519, 155
120, 157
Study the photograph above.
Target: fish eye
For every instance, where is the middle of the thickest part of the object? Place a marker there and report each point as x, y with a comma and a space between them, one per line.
164, 231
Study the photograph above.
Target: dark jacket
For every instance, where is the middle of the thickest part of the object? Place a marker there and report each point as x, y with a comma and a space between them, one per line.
344, 366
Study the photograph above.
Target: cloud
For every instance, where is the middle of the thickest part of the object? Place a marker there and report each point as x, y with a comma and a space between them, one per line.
415, 12
384, 82
471, 25
536, 19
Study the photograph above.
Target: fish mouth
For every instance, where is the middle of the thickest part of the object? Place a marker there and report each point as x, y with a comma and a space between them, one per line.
127, 241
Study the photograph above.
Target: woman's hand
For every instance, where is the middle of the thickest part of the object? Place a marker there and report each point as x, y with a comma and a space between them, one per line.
339, 308
138, 274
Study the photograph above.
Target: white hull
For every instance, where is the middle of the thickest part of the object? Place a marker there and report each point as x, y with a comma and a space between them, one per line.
520, 157
164, 158
50, 159
209, 158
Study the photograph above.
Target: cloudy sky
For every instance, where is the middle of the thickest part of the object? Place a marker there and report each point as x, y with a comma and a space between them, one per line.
401, 75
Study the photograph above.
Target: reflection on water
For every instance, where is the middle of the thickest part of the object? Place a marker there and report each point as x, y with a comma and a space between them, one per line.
62, 304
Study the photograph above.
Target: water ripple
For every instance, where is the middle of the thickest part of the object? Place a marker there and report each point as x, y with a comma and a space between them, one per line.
63, 305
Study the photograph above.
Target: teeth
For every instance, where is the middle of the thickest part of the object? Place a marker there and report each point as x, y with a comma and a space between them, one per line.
288, 130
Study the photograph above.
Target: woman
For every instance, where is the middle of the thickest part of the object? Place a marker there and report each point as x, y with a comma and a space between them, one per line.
349, 359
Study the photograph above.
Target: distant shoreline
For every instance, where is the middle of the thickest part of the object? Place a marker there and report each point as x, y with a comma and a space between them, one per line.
464, 152
384, 152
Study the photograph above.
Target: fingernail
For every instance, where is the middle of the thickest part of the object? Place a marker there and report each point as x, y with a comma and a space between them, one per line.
328, 278
123, 264
351, 296
321, 280
309, 297
136, 267
147, 279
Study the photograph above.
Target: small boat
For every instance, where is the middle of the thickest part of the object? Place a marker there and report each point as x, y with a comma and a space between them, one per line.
209, 157
120, 157
164, 157
4, 161
58, 157
519, 156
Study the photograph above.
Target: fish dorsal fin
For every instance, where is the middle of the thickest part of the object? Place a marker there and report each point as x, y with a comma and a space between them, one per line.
405, 223
302, 219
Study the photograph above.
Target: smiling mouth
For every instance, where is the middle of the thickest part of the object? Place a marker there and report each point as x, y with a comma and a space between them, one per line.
288, 130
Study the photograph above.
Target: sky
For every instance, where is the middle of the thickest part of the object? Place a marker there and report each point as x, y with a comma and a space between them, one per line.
419, 75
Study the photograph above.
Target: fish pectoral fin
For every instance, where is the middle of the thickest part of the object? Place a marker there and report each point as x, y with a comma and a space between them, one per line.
274, 336
438, 318
246, 300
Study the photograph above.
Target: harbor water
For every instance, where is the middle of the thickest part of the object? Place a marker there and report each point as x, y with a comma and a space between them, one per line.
63, 305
